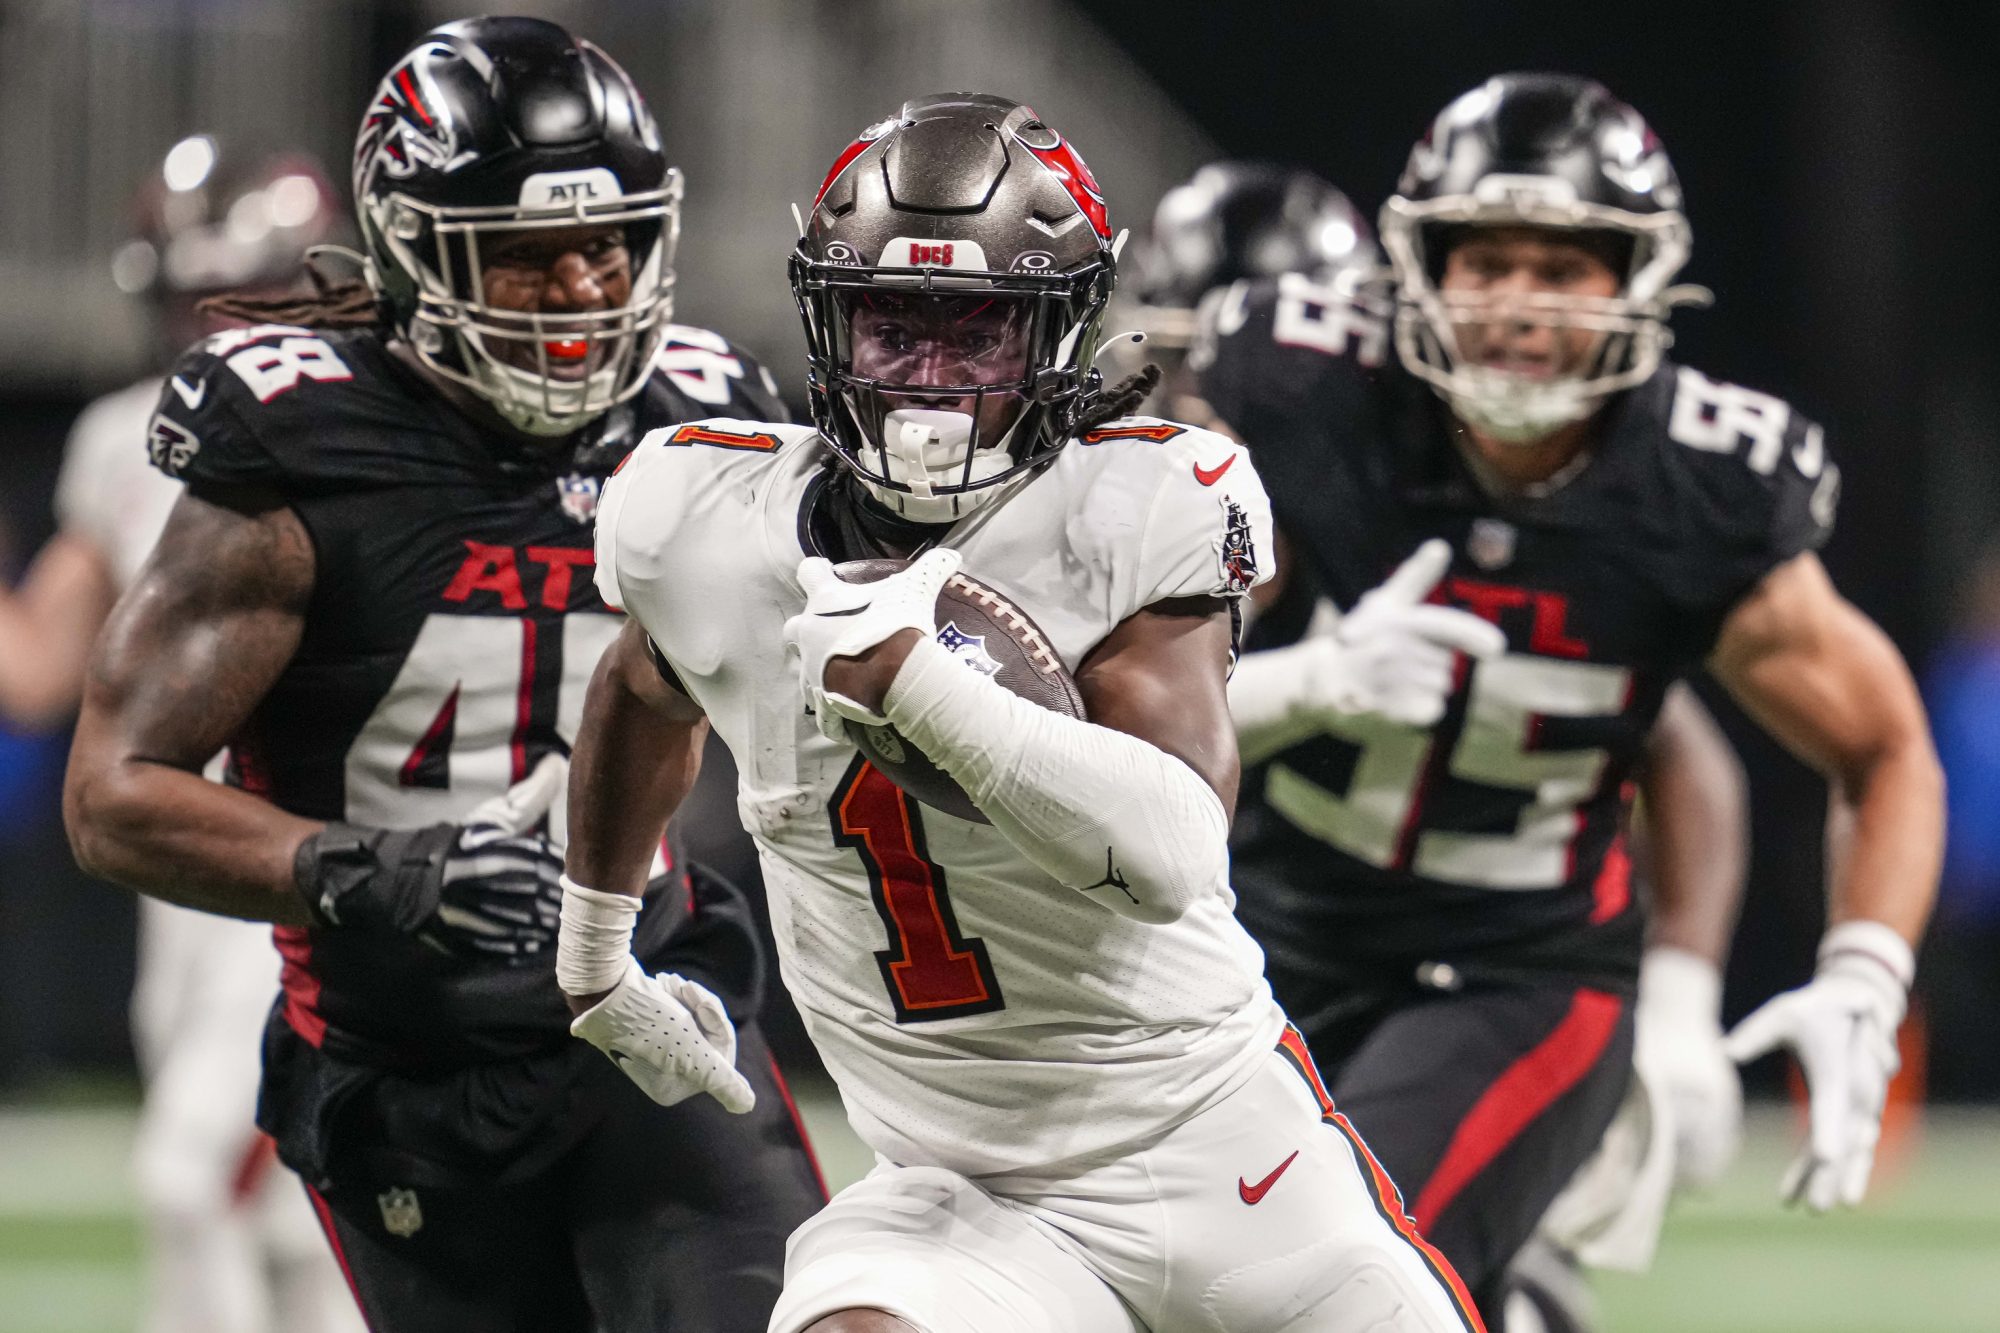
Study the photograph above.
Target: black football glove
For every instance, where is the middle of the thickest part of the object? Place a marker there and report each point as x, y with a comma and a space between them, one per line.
488, 888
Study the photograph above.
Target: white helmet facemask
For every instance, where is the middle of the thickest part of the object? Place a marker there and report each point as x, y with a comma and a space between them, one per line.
1522, 404
545, 374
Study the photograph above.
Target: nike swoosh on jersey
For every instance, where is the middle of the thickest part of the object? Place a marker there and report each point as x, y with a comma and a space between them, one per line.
1254, 1194
191, 394
850, 611
1209, 476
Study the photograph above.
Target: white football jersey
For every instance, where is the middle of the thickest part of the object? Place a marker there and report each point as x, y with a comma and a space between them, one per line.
108, 493
976, 1014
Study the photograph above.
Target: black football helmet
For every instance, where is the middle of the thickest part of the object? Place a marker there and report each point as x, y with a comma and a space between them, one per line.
497, 125
1537, 150
1236, 220
962, 209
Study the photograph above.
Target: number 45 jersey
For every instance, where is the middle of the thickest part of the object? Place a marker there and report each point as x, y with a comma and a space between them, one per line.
452, 629
1495, 835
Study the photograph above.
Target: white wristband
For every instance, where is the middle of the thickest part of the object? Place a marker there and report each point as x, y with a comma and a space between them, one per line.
595, 942
1680, 983
1874, 942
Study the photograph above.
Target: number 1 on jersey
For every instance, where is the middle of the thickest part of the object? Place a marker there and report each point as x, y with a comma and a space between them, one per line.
932, 971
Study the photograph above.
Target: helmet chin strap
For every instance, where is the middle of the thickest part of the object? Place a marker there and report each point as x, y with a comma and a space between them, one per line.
517, 396
924, 446
1511, 412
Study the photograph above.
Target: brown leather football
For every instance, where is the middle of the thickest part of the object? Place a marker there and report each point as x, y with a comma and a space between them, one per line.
988, 633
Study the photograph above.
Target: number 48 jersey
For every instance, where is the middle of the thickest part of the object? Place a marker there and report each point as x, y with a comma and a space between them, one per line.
1496, 833
452, 629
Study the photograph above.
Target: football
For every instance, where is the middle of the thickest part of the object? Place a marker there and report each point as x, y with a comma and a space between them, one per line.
990, 634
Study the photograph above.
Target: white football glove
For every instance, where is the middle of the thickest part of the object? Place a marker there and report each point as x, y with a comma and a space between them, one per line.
671, 1036
1841, 1027
843, 619
1680, 1049
1395, 655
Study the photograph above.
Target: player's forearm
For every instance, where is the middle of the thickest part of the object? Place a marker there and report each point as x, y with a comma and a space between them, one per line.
176, 836
1268, 701
1098, 810
632, 766
1696, 829
1897, 849
47, 625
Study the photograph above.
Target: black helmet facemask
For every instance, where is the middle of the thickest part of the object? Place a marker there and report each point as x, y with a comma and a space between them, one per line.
952, 279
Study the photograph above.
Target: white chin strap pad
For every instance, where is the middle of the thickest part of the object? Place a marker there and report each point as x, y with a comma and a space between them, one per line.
1516, 411
926, 447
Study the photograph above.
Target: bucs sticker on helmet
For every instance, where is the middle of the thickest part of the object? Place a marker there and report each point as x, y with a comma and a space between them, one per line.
921, 252
1236, 549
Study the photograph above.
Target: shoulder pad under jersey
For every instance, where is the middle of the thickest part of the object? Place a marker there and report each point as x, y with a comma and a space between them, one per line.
1273, 356
675, 472
1746, 476
699, 373
1169, 511
293, 409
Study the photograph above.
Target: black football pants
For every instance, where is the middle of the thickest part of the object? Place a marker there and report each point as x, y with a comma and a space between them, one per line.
1481, 1099
660, 1220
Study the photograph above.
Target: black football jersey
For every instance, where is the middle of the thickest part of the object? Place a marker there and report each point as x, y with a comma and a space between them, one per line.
453, 627
1498, 831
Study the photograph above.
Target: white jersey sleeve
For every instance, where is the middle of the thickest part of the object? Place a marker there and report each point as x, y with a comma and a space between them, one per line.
1174, 512
107, 494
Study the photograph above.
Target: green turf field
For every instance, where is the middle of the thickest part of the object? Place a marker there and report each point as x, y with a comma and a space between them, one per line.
1924, 1257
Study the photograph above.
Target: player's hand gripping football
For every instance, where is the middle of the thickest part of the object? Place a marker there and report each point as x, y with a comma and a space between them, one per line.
1394, 655
1841, 1026
487, 888
841, 624
671, 1036
1680, 1051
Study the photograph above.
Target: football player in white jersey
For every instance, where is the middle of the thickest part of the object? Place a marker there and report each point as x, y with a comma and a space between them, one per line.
1087, 1111
231, 1242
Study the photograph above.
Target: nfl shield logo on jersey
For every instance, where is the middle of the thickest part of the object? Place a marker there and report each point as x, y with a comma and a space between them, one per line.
968, 648
1490, 543
401, 1214
579, 496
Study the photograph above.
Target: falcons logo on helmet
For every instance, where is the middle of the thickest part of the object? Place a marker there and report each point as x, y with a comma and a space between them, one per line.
408, 125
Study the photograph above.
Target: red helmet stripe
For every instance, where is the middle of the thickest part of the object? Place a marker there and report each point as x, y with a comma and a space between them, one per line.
1068, 167
840, 164
410, 92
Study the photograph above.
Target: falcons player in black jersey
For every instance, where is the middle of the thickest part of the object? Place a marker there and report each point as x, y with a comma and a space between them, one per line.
1444, 898
377, 593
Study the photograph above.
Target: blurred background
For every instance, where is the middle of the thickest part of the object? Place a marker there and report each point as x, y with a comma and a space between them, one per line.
1837, 158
